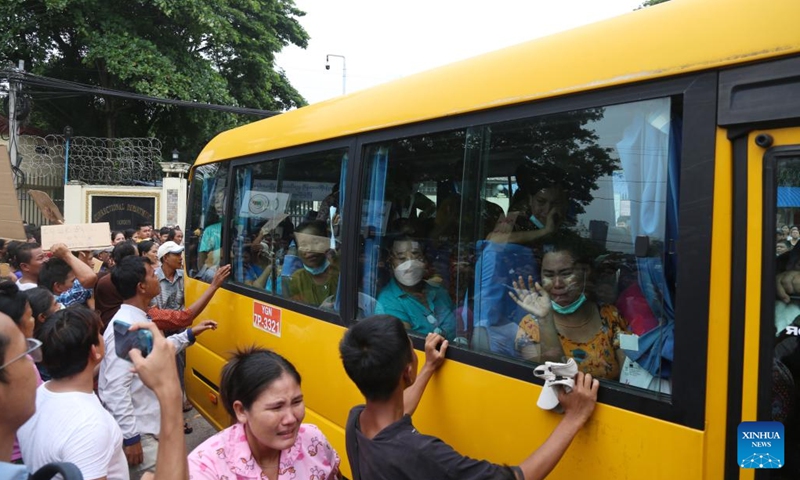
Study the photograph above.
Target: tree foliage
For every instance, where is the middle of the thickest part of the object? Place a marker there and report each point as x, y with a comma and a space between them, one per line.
214, 51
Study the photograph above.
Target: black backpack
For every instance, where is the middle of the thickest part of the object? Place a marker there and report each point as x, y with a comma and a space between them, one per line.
68, 471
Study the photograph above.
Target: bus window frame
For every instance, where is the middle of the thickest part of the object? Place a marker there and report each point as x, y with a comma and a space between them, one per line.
686, 405
271, 298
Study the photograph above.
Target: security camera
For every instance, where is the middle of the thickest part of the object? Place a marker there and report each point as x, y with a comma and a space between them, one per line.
327, 66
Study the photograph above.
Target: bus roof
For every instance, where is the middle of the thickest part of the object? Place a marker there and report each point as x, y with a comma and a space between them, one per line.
676, 37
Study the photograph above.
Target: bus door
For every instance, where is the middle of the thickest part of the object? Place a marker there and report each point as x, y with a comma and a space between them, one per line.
769, 443
758, 107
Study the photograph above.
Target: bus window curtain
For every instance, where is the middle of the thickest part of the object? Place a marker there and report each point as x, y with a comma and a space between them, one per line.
209, 185
373, 230
244, 182
342, 189
650, 165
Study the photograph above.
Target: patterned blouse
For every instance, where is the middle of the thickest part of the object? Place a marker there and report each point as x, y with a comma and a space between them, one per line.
227, 456
597, 356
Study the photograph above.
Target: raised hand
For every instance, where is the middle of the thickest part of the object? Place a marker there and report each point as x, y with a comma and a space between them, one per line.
220, 275
203, 326
532, 298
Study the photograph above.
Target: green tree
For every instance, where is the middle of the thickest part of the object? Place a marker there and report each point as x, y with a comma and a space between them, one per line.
213, 51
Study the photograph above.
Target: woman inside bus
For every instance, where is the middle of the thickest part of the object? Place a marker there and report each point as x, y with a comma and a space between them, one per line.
563, 321
423, 307
316, 283
261, 391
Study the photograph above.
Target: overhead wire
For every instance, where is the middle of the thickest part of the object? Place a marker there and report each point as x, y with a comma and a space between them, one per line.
30, 79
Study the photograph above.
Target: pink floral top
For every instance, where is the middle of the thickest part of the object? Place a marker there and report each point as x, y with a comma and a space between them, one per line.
227, 456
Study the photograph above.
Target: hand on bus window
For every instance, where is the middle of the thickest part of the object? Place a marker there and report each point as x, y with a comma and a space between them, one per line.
788, 283
220, 276
531, 298
580, 402
435, 348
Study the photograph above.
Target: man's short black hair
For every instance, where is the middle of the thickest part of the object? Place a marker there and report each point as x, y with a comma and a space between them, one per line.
375, 351
164, 231
248, 373
54, 271
122, 250
22, 253
143, 224
128, 274
67, 337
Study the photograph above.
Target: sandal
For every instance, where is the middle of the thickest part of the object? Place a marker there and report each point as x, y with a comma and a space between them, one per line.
187, 429
187, 406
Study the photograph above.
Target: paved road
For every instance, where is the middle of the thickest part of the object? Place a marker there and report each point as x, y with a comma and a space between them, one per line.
202, 429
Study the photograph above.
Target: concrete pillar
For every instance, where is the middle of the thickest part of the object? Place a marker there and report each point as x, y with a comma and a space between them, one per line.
174, 192
74, 204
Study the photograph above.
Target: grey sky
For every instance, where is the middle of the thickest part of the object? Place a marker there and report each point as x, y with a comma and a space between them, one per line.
383, 40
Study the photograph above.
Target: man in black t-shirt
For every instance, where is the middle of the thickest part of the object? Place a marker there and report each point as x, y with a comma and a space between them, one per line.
382, 443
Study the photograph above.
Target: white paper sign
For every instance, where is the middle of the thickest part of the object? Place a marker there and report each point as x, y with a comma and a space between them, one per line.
77, 236
263, 204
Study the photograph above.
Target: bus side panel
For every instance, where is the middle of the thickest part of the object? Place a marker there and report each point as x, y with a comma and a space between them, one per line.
719, 311
480, 413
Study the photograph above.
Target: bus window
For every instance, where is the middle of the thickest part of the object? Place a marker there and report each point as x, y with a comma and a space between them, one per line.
589, 214
410, 232
286, 226
785, 368
204, 242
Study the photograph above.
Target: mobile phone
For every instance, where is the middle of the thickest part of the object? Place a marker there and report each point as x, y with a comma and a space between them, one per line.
125, 340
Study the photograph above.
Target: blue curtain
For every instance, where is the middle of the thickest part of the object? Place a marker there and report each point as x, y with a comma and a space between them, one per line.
209, 185
342, 185
244, 183
372, 230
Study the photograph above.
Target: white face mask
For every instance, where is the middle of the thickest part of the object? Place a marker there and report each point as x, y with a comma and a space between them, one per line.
410, 272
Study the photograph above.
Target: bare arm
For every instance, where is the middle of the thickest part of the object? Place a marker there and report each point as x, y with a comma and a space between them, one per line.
157, 372
200, 304
433, 360
578, 407
261, 281
504, 231
82, 271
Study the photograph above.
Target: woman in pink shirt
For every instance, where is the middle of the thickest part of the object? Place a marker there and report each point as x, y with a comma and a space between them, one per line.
261, 390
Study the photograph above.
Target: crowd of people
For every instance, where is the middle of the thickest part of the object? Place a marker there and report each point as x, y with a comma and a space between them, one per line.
69, 397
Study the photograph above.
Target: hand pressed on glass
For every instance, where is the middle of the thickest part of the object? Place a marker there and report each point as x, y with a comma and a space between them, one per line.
532, 298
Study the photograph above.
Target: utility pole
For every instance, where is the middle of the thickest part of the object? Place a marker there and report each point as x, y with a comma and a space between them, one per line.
13, 126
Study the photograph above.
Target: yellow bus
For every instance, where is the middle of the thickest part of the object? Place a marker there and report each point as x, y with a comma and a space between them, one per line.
664, 142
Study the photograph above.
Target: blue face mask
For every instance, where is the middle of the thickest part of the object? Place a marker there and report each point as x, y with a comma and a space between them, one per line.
571, 308
536, 222
318, 270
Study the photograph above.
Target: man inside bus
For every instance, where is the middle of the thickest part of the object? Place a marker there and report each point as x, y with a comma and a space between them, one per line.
210, 247
423, 307
381, 440
317, 282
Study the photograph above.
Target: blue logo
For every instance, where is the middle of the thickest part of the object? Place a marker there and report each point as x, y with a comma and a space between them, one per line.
760, 445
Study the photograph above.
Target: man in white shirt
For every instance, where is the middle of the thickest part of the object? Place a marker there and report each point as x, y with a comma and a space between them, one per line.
70, 424
133, 405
